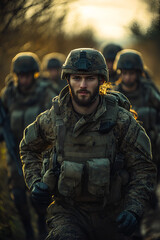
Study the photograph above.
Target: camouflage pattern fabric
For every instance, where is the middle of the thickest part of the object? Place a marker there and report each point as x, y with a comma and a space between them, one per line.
74, 222
129, 138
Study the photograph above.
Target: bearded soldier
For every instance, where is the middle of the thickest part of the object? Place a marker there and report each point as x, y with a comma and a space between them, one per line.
23, 98
98, 193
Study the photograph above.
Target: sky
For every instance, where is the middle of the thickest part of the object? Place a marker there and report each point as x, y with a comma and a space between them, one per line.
108, 18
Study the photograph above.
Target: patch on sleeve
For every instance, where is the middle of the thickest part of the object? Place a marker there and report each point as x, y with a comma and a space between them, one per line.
143, 143
30, 133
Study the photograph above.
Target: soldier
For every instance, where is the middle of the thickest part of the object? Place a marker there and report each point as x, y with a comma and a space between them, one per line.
110, 51
23, 98
51, 67
97, 195
144, 98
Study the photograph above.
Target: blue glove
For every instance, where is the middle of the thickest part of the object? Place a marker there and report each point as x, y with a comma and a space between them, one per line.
40, 194
127, 222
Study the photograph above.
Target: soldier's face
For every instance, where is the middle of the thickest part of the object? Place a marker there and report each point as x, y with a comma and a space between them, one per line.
25, 81
129, 78
84, 88
110, 65
54, 74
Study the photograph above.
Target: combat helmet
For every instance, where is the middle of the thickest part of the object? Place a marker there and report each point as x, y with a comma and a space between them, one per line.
128, 59
25, 62
85, 61
52, 60
110, 51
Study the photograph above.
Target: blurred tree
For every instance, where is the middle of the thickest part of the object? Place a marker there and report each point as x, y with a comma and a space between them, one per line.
15, 13
37, 26
148, 40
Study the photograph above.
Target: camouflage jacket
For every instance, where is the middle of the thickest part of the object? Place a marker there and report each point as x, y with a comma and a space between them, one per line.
128, 137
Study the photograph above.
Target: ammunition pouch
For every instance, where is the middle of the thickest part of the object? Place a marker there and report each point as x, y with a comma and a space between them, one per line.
98, 176
50, 179
97, 173
69, 183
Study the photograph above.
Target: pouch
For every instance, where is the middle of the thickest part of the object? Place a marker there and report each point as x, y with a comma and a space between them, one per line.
69, 183
98, 176
50, 179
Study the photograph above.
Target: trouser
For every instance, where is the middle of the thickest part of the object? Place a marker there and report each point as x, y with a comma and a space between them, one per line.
18, 191
77, 223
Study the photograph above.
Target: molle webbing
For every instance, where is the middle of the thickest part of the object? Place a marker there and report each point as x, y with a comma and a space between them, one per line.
61, 130
99, 137
109, 119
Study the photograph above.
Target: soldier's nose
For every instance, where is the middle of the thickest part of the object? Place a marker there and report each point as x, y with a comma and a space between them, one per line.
83, 84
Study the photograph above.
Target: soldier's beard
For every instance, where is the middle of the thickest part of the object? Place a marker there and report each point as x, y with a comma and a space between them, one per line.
83, 102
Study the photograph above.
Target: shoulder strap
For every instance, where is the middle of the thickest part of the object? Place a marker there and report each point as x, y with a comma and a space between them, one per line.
109, 119
122, 100
61, 129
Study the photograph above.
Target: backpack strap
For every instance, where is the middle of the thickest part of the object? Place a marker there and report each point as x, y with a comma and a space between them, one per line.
61, 130
109, 119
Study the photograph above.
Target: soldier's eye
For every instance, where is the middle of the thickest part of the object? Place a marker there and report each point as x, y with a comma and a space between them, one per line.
91, 78
76, 78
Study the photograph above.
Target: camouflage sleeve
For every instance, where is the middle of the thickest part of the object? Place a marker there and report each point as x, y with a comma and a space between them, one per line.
38, 137
135, 145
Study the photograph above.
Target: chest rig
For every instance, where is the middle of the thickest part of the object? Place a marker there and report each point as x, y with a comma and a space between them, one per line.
86, 151
23, 109
91, 138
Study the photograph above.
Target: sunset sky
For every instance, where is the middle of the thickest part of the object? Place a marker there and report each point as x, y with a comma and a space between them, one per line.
109, 18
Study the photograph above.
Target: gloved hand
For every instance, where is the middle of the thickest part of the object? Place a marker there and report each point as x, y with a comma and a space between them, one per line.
40, 194
127, 222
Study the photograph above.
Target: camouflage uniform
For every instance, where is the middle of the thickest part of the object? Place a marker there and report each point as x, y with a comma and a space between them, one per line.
145, 100
94, 185
53, 61
22, 109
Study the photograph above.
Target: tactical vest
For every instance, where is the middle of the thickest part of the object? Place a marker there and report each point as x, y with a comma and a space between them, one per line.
87, 155
23, 109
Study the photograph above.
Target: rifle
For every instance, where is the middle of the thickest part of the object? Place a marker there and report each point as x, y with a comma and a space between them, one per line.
9, 138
